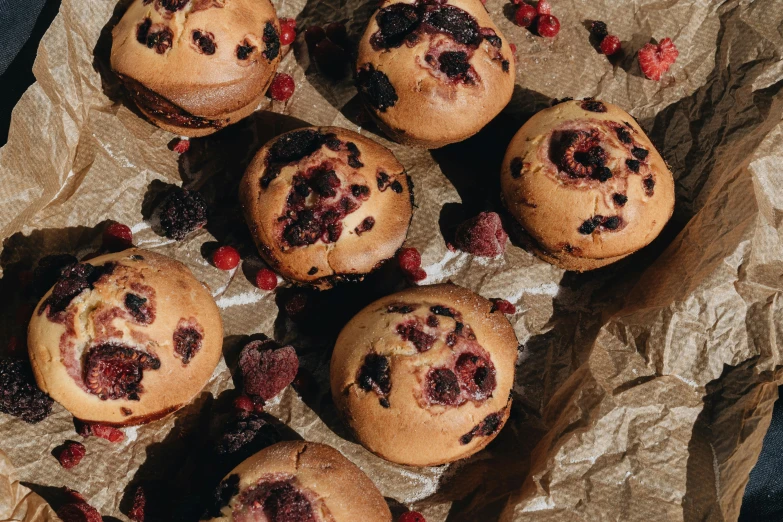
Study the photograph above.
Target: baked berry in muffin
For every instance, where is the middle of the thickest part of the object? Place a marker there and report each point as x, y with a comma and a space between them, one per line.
326, 204
424, 376
434, 72
125, 338
194, 66
587, 185
299, 482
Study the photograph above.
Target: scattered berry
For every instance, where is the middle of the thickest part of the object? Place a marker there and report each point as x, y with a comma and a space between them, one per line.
610, 45
266, 279
287, 31
503, 306
182, 212
79, 512
226, 258
543, 7
282, 87
482, 235
599, 30
313, 35
243, 403
19, 395
181, 146
248, 433
117, 237
525, 16
655, 60
70, 454
107, 432
136, 513
409, 259
411, 516
267, 368
548, 26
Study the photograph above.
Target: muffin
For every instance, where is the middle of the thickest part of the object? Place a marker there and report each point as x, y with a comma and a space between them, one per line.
194, 66
125, 338
423, 377
433, 72
326, 204
587, 185
300, 481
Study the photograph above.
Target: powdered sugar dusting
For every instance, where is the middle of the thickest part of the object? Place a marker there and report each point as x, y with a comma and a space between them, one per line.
244, 298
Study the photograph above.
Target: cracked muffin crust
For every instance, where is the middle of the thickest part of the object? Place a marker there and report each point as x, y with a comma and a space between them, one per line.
125, 338
423, 377
587, 185
325, 204
194, 66
433, 72
299, 481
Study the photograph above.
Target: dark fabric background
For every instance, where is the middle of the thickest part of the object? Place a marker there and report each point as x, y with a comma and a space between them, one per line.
23, 23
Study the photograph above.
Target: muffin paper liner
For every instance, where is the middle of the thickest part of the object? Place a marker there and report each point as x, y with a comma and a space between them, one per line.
643, 390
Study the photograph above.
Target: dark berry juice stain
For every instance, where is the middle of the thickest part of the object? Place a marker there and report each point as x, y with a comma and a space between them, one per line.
476, 376
412, 332
375, 375
173, 6
640, 153
187, 339
156, 36
578, 153
516, 167
205, 42
272, 41
620, 199
142, 309
649, 186
599, 224
592, 105
244, 50
489, 426
375, 88
400, 308
442, 387
114, 371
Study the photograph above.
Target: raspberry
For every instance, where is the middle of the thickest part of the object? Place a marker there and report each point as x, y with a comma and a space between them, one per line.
313, 35
79, 512
599, 30
107, 432
136, 513
548, 26
266, 279
180, 145
418, 275
117, 237
282, 87
226, 258
610, 45
543, 7
409, 259
655, 60
243, 403
267, 368
503, 306
287, 31
412, 516
525, 16
70, 454
482, 235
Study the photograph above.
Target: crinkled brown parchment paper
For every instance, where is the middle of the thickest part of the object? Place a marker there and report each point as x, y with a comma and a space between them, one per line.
643, 390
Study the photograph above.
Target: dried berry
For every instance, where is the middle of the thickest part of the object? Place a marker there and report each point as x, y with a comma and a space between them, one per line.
107, 432
282, 87
476, 376
376, 88
482, 235
266, 279
610, 45
503, 306
79, 512
19, 395
187, 339
113, 371
182, 212
411, 516
548, 26
248, 433
442, 387
409, 259
267, 368
655, 60
525, 16
272, 41
117, 237
137, 511
412, 332
70, 454
226, 258
599, 30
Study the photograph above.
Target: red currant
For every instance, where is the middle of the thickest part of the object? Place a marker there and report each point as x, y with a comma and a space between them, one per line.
610, 45
226, 258
411, 516
117, 237
282, 87
525, 15
287, 31
548, 26
266, 279
543, 7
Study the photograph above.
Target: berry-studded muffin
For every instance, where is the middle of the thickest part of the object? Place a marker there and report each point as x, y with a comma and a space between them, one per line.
125, 338
194, 66
299, 482
424, 376
586, 184
434, 72
326, 204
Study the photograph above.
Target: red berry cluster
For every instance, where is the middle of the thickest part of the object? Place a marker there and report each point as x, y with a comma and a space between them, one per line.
328, 48
540, 17
609, 44
409, 260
